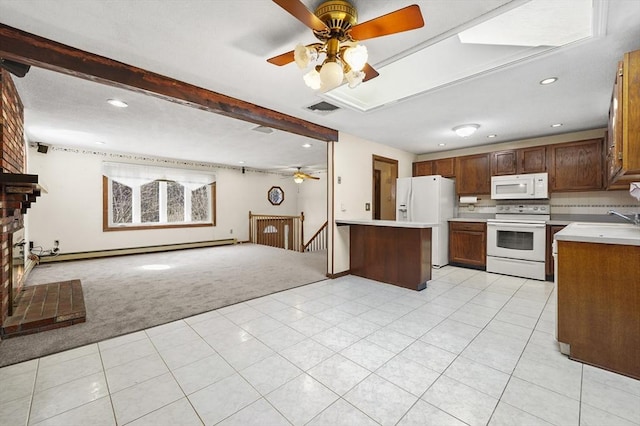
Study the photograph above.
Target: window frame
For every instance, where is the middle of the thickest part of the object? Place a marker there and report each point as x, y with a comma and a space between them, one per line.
106, 227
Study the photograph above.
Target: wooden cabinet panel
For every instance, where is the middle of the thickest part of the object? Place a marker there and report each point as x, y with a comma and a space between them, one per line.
614, 128
445, 167
631, 113
532, 160
598, 301
473, 174
519, 161
504, 163
468, 244
422, 168
576, 166
549, 263
398, 256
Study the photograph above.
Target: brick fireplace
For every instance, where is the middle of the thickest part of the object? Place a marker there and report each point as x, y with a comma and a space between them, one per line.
12, 160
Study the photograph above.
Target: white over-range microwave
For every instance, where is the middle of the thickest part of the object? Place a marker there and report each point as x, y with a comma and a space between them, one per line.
520, 187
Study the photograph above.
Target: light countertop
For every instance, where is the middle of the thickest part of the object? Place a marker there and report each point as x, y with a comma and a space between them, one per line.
388, 223
467, 219
602, 233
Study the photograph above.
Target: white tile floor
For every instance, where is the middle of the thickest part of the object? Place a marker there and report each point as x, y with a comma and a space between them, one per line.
473, 348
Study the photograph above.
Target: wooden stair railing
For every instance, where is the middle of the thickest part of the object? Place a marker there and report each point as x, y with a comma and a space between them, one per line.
277, 231
318, 241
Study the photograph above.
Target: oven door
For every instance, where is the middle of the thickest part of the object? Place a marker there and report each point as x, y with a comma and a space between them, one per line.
516, 240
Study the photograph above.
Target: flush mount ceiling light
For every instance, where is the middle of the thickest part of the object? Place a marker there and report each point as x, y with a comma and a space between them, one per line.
466, 130
117, 103
306, 145
556, 125
334, 24
492, 136
549, 80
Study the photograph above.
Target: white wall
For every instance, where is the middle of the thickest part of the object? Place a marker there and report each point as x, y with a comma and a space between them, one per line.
71, 211
353, 164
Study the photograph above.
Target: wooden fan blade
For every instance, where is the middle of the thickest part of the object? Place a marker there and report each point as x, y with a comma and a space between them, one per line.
405, 19
280, 60
302, 14
313, 177
369, 72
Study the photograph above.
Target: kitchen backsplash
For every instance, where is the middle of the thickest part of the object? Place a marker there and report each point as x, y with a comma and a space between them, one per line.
593, 202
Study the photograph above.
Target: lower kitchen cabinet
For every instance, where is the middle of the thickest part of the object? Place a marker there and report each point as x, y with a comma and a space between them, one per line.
549, 263
468, 244
598, 299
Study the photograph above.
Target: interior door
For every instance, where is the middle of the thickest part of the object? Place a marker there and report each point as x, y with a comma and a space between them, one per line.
385, 192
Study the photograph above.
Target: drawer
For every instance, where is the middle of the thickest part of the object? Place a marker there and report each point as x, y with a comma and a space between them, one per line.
467, 226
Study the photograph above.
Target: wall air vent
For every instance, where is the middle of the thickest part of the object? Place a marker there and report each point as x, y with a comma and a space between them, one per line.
322, 108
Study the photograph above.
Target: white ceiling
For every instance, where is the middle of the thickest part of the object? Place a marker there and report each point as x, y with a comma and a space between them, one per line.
222, 45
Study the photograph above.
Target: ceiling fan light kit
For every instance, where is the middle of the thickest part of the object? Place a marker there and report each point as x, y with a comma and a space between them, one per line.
334, 24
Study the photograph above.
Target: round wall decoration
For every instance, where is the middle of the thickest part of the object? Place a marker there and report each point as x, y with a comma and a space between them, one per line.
275, 195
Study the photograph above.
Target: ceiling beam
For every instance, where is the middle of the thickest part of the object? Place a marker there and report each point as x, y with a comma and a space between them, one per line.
30, 49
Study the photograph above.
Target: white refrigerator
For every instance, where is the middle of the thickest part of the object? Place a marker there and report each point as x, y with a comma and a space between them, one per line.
428, 199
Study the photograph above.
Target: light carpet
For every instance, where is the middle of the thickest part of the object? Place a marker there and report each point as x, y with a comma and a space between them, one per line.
129, 293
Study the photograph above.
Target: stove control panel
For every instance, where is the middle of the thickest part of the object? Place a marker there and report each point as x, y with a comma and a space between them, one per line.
523, 209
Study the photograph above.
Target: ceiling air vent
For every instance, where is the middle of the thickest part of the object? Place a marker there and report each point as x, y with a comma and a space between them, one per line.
322, 108
263, 129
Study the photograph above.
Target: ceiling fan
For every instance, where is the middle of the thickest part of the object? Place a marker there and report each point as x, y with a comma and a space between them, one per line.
300, 176
334, 23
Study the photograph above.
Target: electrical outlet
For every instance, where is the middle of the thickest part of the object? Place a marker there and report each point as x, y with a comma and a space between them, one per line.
56, 243
30, 245
231, 231
367, 206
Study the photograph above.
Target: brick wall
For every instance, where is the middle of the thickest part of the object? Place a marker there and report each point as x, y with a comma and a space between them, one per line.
12, 160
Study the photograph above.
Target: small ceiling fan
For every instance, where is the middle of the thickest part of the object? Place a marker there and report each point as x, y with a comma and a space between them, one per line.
334, 23
300, 176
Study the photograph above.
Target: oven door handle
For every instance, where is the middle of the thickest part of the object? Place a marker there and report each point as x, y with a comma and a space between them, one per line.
517, 225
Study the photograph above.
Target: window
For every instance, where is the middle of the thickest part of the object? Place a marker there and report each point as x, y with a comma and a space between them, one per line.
146, 197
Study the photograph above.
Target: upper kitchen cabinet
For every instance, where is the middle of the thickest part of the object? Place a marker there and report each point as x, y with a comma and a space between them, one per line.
623, 147
575, 166
519, 161
422, 168
473, 174
445, 167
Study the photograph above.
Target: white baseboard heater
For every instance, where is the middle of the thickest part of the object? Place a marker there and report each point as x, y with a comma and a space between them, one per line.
135, 250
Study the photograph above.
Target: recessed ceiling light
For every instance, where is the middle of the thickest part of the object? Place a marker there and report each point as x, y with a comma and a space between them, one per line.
466, 130
492, 136
556, 125
117, 103
306, 145
549, 80
100, 142
240, 162
441, 144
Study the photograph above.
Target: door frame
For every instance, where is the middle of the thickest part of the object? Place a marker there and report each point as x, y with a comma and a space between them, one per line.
394, 173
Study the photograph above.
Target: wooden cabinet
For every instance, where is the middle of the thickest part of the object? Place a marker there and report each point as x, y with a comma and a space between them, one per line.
394, 255
532, 160
504, 163
468, 244
623, 133
422, 168
576, 166
473, 174
444, 167
519, 161
549, 263
598, 299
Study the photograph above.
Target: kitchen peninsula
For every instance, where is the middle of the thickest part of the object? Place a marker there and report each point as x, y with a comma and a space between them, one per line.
397, 253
